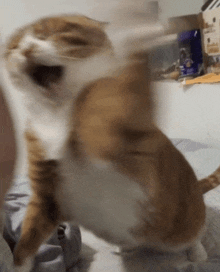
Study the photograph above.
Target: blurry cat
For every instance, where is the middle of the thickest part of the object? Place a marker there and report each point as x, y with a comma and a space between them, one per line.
95, 156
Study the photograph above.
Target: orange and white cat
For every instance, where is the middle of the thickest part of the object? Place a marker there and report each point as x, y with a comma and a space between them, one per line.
95, 157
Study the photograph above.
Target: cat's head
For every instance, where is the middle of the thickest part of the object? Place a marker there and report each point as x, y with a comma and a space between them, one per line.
54, 57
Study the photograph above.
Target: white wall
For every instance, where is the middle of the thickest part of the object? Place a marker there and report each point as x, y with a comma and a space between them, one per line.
191, 112
15, 13
173, 8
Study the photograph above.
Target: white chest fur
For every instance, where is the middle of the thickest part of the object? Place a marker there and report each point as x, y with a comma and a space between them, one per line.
100, 199
51, 126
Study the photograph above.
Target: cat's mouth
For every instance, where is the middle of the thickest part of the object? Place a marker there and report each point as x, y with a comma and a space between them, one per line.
44, 75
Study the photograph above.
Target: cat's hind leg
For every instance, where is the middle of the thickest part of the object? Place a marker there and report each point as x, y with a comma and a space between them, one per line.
25, 267
39, 224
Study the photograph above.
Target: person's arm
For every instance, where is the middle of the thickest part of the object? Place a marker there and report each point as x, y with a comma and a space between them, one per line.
7, 148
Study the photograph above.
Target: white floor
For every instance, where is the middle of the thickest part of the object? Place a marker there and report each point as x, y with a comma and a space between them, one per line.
98, 256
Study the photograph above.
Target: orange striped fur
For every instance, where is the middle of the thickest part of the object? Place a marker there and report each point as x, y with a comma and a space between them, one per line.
42, 215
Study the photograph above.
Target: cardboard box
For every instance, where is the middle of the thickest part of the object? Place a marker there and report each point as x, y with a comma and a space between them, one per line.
210, 25
180, 24
211, 31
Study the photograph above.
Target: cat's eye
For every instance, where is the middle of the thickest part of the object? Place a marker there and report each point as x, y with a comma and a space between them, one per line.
13, 47
41, 37
73, 40
79, 42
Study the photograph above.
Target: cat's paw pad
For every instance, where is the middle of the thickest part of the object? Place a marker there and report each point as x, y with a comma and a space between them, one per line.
197, 253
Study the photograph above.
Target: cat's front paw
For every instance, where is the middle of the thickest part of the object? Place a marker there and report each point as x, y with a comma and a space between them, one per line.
197, 253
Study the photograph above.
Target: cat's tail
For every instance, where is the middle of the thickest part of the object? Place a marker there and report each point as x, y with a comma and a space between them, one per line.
210, 182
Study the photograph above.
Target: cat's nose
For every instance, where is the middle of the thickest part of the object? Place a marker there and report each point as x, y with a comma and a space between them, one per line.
36, 53
28, 52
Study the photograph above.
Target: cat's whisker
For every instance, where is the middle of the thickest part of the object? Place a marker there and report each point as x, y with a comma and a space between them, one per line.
67, 57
